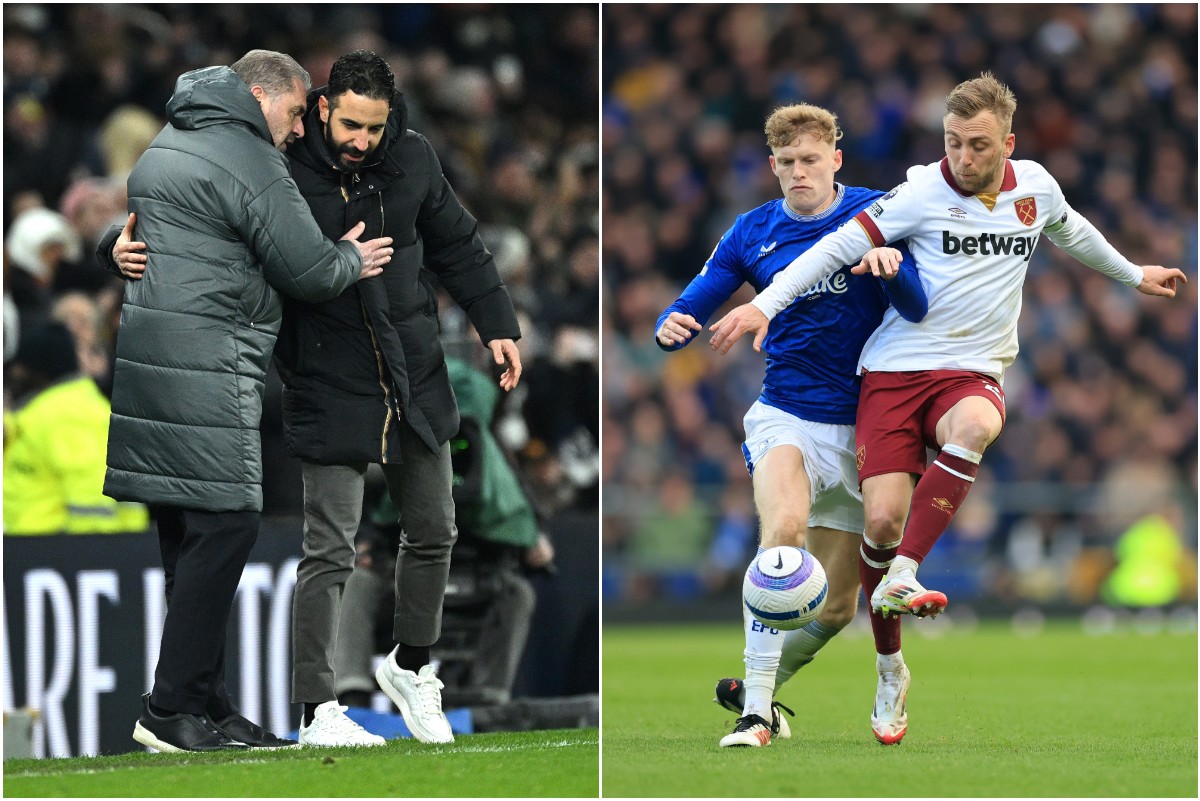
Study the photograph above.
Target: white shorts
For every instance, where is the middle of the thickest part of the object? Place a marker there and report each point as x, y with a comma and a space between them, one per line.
829, 460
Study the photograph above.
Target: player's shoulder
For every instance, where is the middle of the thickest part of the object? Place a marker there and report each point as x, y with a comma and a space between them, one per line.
856, 197
763, 213
758, 217
922, 175
1030, 173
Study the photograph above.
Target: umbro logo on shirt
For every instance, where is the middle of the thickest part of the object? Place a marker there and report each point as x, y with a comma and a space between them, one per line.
956, 213
765, 249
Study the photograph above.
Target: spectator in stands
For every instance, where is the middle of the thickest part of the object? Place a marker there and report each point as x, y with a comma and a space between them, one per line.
37, 243
55, 438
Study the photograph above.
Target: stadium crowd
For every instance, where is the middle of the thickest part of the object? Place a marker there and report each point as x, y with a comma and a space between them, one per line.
506, 95
1097, 463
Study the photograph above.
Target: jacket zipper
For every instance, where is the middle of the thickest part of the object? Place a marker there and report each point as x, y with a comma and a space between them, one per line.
390, 399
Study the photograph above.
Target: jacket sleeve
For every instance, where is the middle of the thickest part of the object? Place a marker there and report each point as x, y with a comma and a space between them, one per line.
297, 259
457, 256
104, 250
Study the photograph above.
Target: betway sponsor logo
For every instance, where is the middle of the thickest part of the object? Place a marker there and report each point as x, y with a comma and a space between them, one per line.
988, 245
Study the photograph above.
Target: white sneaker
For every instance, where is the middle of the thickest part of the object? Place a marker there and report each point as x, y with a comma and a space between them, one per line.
889, 717
419, 697
751, 731
330, 727
902, 594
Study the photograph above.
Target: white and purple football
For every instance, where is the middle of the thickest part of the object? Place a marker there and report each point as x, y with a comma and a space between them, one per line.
785, 588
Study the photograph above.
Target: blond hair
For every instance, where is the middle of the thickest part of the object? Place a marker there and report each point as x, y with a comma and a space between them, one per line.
984, 93
786, 123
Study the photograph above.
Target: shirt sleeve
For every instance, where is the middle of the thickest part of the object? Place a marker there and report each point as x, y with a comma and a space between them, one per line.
905, 291
720, 277
1072, 232
888, 219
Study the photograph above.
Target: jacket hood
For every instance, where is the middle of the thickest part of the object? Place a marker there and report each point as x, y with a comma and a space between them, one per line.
213, 96
314, 151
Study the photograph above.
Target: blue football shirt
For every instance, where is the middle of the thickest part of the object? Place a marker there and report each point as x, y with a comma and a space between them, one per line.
812, 346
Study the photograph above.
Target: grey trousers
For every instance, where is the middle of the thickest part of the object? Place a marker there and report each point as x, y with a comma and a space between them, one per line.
333, 497
501, 644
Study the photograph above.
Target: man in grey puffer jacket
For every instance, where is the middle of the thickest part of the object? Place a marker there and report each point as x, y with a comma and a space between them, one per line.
227, 228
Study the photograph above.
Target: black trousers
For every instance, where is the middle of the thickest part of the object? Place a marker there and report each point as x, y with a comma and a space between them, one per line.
203, 556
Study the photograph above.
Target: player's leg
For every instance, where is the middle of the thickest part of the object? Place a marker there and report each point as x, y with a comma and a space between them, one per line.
887, 499
834, 524
891, 454
885, 503
964, 420
782, 497
837, 551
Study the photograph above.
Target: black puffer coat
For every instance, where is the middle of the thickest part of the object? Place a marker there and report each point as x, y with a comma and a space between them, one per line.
224, 228
356, 367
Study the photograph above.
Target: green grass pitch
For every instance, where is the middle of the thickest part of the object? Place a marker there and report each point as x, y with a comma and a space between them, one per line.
543, 764
991, 714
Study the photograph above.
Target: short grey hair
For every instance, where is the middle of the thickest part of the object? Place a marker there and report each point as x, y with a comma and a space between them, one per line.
276, 73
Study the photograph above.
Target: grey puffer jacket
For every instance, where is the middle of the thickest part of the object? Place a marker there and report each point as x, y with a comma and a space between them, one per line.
225, 227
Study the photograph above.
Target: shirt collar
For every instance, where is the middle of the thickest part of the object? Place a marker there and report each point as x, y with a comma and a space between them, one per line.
1007, 185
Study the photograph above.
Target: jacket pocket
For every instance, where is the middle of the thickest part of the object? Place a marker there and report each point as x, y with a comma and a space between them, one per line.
260, 302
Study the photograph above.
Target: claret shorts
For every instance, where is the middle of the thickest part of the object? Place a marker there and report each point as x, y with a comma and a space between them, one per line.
898, 414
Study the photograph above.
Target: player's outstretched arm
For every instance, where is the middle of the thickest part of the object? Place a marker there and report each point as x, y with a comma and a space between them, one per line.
677, 330
730, 328
1160, 281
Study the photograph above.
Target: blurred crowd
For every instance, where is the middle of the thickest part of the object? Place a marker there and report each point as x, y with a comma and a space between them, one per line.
507, 95
1096, 468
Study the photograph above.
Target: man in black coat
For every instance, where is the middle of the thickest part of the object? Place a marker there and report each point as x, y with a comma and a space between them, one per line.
365, 381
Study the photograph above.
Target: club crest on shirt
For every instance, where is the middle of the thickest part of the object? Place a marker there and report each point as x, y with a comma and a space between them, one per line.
1026, 209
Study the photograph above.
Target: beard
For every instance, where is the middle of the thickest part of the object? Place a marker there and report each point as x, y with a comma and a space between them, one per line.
982, 179
339, 152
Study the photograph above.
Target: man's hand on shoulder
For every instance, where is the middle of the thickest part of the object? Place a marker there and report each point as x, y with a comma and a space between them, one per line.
505, 352
129, 256
729, 329
1160, 281
677, 329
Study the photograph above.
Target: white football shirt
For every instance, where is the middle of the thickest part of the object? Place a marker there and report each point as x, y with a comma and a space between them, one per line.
972, 256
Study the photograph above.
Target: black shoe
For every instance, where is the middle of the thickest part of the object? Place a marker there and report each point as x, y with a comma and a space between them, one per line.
180, 731
252, 735
731, 695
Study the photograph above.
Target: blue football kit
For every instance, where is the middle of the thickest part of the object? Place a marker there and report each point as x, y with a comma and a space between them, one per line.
812, 346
